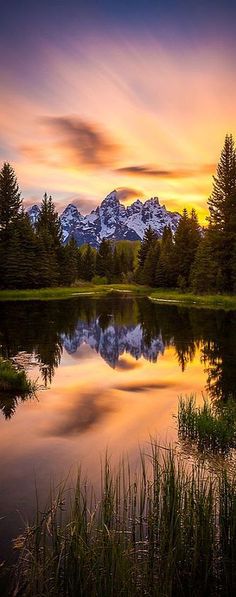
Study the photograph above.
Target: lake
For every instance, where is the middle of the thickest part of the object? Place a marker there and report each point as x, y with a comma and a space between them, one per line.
110, 372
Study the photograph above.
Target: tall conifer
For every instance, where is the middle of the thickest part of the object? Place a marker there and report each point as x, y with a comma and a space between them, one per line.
223, 197
104, 259
10, 199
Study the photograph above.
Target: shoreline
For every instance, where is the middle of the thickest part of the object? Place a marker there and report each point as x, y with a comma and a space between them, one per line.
218, 301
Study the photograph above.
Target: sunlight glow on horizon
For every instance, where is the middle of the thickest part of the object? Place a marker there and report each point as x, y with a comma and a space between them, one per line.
119, 113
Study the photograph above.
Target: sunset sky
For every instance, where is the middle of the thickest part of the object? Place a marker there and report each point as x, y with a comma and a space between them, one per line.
136, 95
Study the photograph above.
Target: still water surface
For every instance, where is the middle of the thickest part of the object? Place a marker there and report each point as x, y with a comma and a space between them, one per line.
110, 371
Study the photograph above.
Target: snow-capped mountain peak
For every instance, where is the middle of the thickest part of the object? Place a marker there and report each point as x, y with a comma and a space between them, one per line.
71, 211
114, 341
33, 213
112, 220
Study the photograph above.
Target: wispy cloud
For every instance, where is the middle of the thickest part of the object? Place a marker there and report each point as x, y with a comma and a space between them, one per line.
147, 171
113, 111
83, 204
84, 142
127, 193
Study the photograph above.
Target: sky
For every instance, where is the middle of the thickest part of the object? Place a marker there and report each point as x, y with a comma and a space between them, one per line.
134, 95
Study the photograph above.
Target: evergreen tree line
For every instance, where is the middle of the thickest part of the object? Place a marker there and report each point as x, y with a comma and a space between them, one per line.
200, 260
31, 256
35, 256
203, 260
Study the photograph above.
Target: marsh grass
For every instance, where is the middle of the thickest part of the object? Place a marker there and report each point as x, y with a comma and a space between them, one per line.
164, 530
212, 428
14, 381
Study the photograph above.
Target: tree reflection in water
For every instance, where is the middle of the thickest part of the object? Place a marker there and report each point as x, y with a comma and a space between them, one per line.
114, 325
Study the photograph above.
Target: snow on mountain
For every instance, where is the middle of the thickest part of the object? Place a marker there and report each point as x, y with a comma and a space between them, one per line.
33, 213
113, 342
71, 219
114, 221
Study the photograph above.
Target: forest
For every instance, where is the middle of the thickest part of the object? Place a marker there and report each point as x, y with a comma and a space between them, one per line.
202, 260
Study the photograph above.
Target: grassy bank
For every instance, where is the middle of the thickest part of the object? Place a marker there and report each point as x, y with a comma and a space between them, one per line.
214, 301
217, 301
166, 530
63, 292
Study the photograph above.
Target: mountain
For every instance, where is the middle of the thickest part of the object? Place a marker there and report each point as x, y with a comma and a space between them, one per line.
114, 341
33, 213
113, 221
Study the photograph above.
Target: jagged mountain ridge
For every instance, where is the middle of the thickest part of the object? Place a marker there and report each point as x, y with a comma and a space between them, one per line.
112, 220
114, 341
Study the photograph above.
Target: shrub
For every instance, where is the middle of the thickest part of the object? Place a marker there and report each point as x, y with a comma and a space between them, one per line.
99, 280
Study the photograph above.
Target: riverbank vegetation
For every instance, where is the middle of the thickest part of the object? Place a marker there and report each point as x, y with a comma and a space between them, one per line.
192, 260
212, 301
56, 293
13, 380
166, 529
211, 427
217, 301
15, 387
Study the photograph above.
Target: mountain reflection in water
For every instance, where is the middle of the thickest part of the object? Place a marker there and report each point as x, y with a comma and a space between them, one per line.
114, 369
116, 326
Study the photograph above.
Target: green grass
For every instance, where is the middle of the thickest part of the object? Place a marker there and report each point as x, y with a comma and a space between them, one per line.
165, 530
216, 301
211, 428
13, 381
63, 292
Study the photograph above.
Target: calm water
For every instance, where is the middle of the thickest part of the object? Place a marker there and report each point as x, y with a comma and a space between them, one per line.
111, 371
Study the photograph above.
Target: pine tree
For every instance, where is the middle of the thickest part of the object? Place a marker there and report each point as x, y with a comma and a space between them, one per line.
10, 199
49, 221
27, 251
17, 240
150, 264
206, 275
165, 275
117, 265
68, 263
88, 263
149, 239
224, 186
222, 218
47, 260
49, 236
195, 234
187, 238
10, 268
80, 268
19, 261
104, 259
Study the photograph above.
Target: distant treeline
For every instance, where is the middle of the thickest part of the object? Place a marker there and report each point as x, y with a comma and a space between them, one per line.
203, 260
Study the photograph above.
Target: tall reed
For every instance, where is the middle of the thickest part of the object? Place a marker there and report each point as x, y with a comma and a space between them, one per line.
167, 529
211, 427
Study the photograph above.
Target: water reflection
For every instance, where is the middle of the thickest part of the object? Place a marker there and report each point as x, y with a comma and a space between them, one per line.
114, 327
9, 403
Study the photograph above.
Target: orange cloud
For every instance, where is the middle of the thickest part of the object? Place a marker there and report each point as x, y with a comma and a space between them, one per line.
162, 173
83, 142
126, 194
129, 115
